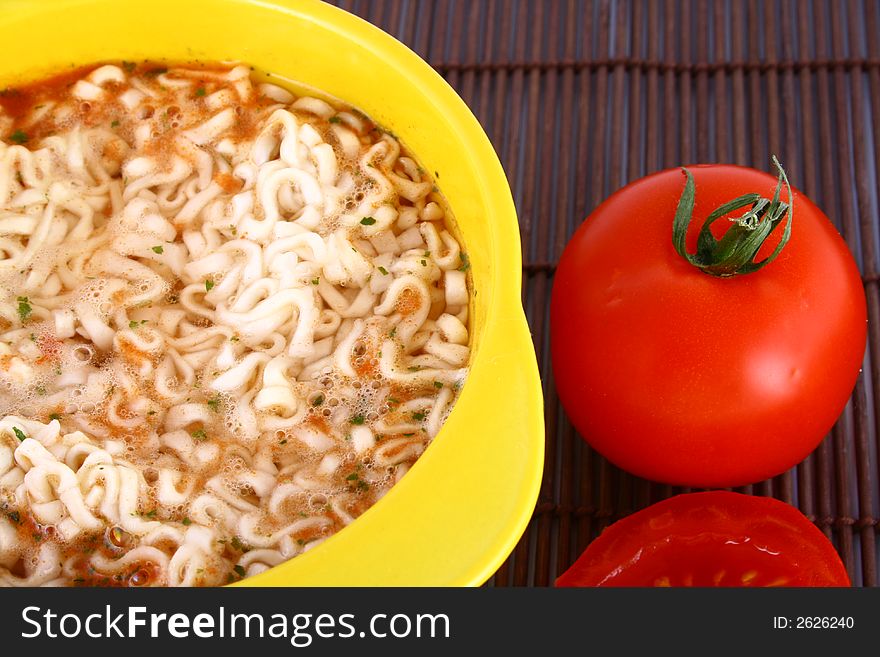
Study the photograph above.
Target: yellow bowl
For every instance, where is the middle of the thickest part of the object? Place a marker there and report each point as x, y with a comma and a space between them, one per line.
461, 509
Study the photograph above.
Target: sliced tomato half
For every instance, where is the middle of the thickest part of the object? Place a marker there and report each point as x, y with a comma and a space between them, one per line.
710, 539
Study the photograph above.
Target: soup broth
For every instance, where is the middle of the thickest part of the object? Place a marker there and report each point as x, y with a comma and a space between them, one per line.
231, 319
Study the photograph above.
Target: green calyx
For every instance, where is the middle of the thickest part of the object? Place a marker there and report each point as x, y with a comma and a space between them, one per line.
735, 252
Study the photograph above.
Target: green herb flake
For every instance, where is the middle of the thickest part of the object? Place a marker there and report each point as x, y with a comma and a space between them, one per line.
383, 271
282, 442
392, 332
33, 337
438, 385
334, 119
54, 416
24, 308
214, 404
424, 263
133, 324
352, 477
21, 435
237, 544
114, 124
392, 400
363, 485
414, 368
317, 401
186, 522
358, 419
315, 281
209, 285
239, 569
14, 517
368, 221
150, 514
199, 434
418, 417
18, 137
158, 249
200, 92
129, 66
234, 338
465, 262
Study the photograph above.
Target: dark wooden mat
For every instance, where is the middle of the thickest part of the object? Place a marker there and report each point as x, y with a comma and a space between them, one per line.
580, 97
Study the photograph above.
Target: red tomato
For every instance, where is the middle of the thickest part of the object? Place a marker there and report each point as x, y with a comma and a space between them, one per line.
710, 539
688, 378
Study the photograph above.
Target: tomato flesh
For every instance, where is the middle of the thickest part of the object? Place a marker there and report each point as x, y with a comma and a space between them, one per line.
715, 539
683, 377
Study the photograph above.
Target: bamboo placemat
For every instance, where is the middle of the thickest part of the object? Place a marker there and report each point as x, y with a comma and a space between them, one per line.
579, 98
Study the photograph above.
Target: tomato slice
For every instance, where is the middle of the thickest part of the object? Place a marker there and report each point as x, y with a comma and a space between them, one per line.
710, 539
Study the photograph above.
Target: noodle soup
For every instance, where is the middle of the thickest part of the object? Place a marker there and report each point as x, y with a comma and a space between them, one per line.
230, 320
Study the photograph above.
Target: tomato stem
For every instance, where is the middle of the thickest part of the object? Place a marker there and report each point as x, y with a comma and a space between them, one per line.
735, 252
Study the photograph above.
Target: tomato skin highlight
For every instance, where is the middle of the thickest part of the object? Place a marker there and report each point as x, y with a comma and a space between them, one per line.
712, 539
690, 379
